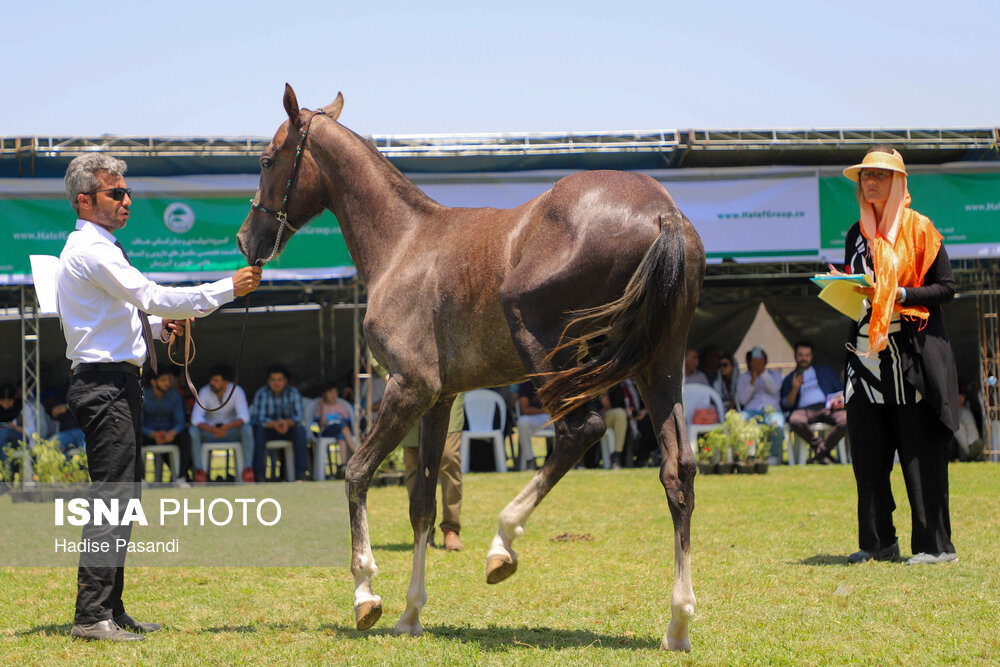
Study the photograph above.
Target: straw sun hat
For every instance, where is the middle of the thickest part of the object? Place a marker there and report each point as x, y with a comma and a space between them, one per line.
877, 160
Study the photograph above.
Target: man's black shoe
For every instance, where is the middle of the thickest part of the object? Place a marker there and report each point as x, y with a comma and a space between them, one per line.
890, 553
105, 630
128, 623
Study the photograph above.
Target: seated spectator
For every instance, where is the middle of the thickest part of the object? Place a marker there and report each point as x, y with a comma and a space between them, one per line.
334, 419
691, 373
230, 423
163, 416
725, 384
814, 394
711, 356
759, 394
11, 430
533, 418
68, 433
276, 414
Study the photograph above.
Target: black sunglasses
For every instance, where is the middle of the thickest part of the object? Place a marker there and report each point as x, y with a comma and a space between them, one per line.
118, 194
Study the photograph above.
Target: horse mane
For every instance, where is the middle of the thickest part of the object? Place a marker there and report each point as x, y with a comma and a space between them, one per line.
400, 184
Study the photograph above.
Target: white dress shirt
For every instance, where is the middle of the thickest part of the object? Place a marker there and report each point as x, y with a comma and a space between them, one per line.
99, 295
236, 408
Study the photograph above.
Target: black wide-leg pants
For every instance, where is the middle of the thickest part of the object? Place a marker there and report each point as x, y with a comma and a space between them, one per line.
108, 407
877, 432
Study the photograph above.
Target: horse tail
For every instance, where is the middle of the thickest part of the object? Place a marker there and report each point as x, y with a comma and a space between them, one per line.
619, 339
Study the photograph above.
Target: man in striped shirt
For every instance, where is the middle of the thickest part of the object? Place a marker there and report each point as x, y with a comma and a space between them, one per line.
276, 414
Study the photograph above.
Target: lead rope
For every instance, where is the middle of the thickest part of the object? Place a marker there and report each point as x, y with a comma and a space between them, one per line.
190, 350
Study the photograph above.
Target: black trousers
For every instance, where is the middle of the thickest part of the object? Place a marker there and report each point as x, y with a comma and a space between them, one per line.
108, 407
877, 432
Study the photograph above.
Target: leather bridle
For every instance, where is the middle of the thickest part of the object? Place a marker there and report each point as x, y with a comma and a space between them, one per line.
282, 215
282, 218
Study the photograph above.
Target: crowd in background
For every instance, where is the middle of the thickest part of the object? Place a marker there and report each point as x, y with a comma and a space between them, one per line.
276, 411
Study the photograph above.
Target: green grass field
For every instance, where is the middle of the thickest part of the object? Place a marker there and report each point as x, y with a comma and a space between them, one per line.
770, 574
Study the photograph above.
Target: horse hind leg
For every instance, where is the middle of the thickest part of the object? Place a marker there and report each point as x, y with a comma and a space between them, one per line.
677, 473
433, 429
574, 435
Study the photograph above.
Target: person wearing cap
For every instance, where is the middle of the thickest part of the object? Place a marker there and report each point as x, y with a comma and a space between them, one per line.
901, 378
103, 303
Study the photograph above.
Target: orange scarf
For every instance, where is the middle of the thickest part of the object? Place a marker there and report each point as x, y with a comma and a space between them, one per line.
904, 245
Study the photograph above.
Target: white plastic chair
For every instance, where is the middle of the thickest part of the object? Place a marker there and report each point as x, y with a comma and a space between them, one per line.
207, 448
798, 449
607, 447
700, 396
289, 464
481, 406
545, 433
173, 453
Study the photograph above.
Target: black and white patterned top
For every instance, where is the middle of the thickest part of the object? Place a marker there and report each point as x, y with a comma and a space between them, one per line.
878, 380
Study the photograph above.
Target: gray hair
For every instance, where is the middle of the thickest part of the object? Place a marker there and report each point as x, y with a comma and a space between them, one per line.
81, 174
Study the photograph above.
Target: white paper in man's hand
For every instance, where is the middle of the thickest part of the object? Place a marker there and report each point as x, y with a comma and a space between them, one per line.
43, 272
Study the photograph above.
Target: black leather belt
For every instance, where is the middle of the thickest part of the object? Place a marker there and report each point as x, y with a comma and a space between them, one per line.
109, 367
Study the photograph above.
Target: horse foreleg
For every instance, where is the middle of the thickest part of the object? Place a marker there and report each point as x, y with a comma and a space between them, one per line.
574, 436
398, 414
423, 508
677, 476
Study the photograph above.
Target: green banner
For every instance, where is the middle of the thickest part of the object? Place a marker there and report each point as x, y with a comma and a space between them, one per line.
965, 208
186, 238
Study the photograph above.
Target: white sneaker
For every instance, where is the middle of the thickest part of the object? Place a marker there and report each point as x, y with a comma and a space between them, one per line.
929, 559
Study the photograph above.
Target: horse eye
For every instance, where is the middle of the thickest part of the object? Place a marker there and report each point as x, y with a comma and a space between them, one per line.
266, 162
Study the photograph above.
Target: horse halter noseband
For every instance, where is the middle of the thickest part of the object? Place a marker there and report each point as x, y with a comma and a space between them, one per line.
282, 215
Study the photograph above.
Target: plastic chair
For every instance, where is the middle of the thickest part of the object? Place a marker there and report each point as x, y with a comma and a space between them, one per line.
607, 447
289, 464
546, 433
800, 447
481, 407
700, 396
173, 453
206, 456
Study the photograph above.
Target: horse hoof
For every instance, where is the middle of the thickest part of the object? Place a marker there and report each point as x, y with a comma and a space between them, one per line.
669, 644
679, 644
414, 630
367, 613
498, 569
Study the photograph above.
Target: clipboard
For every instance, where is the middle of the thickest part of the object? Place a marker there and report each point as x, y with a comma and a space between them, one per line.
838, 292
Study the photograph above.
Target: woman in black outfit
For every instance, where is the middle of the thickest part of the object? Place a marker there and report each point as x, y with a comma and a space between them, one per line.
901, 379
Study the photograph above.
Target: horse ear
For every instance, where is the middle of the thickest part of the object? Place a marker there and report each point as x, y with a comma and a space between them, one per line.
333, 108
291, 105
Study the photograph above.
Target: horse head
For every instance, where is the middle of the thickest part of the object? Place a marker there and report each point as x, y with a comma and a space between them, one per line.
289, 193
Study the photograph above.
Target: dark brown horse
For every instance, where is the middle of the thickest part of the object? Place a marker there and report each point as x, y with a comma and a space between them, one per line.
594, 281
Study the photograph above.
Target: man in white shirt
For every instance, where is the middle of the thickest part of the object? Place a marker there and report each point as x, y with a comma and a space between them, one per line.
230, 423
102, 302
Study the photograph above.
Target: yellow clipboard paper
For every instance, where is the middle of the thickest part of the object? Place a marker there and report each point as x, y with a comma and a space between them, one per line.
838, 291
